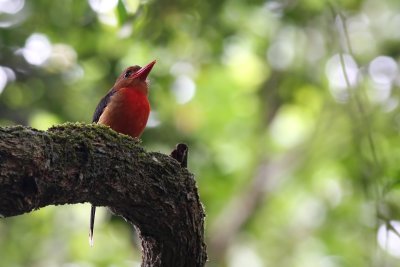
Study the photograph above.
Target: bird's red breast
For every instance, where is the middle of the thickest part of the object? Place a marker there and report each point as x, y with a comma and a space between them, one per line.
127, 112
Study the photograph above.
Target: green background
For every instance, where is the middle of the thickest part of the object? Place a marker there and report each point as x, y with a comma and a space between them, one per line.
297, 164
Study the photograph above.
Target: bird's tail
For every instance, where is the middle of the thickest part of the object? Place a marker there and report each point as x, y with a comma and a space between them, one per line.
92, 214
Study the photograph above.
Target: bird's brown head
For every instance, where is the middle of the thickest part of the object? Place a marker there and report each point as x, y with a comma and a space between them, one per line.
135, 77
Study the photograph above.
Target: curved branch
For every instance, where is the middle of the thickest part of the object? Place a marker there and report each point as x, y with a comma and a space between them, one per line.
76, 163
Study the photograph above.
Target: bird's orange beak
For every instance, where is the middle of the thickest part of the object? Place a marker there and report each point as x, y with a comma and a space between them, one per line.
144, 72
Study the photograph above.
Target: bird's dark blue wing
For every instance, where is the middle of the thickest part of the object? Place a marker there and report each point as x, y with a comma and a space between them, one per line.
102, 105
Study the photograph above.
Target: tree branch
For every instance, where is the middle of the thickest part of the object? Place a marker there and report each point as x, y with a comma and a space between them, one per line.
76, 163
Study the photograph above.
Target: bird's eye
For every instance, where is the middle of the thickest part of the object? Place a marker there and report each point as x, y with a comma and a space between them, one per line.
128, 73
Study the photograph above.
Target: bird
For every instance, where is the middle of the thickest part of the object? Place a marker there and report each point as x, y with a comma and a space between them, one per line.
125, 109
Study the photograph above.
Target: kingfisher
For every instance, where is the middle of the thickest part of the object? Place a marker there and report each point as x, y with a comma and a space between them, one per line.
125, 109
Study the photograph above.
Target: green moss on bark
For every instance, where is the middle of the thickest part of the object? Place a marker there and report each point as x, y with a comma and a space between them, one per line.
75, 163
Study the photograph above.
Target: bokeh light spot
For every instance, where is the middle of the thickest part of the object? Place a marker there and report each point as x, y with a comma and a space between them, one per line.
103, 6
383, 69
10, 74
3, 79
184, 89
281, 55
380, 92
290, 127
182, 68
108, 18
11, 6
6, 75
388, 239
245, 67
131, 5
153, 120
37, 49
62, 57
335, 73
241, 255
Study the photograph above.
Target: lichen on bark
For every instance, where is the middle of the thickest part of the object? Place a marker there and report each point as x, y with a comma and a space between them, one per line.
76, 163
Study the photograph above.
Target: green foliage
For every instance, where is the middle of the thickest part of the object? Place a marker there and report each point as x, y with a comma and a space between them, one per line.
244, 83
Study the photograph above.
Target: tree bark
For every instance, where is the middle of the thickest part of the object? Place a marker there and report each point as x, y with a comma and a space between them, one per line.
76, 163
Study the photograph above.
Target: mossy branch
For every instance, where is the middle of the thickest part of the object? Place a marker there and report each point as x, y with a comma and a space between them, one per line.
76, 163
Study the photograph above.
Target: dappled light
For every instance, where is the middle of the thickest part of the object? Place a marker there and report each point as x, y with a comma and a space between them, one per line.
6, 75
290, 110
103, 6
37, 49
343, 75
11, 6
243, 255
153, 121
389, 237
290, 127
63, 57
383, 70
184, 89
11, 13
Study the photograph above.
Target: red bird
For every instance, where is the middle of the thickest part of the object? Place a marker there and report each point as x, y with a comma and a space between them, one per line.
125, 109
